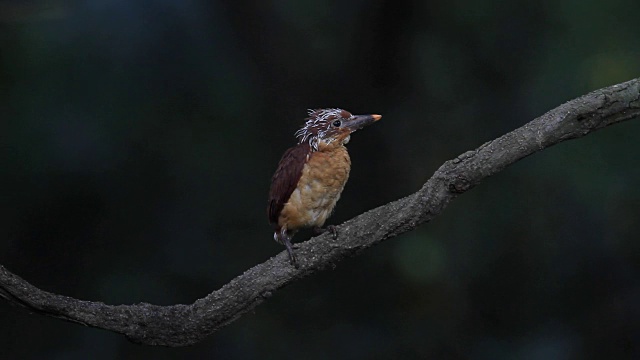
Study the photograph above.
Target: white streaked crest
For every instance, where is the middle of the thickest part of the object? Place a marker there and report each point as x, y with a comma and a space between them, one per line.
317, 125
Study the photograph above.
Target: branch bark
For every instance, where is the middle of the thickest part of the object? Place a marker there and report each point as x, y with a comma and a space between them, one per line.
180, 325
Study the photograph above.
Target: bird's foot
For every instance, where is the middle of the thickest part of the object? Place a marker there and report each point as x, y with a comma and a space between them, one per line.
330, 228
292, 255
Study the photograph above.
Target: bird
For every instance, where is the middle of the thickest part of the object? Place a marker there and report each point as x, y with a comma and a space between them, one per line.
312, 174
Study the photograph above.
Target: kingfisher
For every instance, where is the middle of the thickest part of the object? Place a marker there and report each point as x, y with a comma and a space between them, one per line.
311, 175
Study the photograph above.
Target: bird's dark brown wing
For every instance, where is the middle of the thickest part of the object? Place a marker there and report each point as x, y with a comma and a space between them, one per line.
286, 178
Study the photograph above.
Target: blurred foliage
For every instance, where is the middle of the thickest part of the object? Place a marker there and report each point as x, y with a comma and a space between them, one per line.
138, 140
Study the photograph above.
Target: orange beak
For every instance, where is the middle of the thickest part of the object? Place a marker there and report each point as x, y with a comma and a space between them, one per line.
357, 122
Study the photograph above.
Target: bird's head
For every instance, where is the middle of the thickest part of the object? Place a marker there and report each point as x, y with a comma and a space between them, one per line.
326, 127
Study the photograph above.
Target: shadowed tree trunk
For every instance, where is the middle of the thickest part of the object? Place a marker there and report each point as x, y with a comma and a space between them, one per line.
180, 325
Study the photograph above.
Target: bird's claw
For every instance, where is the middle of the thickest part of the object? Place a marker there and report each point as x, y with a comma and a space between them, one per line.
334, 231
292, 255
330, 228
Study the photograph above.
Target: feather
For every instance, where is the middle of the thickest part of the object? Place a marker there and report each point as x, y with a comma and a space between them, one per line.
285, 179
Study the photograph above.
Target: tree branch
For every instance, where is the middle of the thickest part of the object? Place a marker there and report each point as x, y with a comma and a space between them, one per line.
180, 325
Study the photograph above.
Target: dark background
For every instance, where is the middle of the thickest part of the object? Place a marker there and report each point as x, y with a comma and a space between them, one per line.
138, 139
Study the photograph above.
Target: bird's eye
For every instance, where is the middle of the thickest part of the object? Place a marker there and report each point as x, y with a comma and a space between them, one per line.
337, 123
